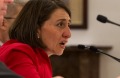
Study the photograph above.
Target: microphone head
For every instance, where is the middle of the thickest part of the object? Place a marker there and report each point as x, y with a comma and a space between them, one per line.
94, 49
102, 18
81, 46
91, 48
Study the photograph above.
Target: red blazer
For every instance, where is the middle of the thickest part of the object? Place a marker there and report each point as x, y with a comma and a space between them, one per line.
26, 61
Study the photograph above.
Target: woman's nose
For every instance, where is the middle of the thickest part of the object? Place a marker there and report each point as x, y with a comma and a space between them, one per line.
67, 32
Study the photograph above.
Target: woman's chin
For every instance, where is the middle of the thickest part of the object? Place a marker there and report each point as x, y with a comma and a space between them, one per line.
59, 53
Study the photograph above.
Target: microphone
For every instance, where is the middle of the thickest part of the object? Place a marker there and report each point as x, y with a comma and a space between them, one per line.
94, 49
104, 19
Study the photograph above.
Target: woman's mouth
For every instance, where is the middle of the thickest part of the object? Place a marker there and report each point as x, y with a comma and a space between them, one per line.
63, 44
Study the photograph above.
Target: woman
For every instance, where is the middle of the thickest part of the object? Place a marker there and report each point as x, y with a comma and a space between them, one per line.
40, 30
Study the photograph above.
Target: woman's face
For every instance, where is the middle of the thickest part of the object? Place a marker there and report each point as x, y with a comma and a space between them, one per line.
55, 32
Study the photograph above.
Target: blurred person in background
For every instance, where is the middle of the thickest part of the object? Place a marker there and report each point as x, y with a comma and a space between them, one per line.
12, 12
5, 72
3, 9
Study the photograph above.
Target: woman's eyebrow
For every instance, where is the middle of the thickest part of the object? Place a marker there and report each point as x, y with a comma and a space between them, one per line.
64, 20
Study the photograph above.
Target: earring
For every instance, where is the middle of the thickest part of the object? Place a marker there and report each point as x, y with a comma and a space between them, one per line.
38, 35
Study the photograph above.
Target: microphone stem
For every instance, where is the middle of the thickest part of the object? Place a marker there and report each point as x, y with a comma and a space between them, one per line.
117, 59
113, 23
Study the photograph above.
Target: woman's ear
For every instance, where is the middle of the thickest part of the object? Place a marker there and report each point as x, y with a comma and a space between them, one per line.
38, 33
38, 36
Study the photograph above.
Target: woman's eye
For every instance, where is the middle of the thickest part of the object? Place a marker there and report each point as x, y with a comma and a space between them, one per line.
61, 24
